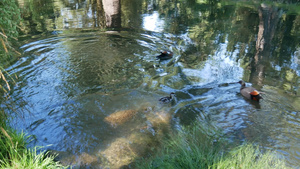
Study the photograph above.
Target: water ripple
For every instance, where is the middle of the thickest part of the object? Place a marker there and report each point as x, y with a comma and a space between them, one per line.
72, 83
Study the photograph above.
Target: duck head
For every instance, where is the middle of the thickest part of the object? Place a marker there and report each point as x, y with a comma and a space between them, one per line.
172, 95
243, 84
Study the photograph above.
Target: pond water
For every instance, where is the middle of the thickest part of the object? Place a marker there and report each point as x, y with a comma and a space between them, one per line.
88, 81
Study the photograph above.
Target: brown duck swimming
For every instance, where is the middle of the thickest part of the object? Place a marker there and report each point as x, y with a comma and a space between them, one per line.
167, 99
165, 55
249, 92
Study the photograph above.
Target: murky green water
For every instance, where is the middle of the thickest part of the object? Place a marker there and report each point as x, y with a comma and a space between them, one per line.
88, 87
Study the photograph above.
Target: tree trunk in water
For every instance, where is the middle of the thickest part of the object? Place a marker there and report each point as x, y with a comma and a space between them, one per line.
112, 9
268, 19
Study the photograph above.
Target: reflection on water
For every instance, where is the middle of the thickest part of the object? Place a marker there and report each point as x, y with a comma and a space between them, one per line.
92, 95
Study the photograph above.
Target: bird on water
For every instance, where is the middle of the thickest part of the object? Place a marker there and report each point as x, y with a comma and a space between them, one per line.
249, 92
165, 55
167, 99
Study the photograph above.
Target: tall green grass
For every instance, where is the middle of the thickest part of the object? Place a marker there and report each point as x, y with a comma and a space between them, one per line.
203, 146
14, 154
249, 156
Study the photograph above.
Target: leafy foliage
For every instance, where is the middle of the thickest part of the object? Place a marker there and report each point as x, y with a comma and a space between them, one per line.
10, 18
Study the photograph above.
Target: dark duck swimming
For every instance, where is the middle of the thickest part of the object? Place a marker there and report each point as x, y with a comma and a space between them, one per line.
249, 92
165, 55
167, 99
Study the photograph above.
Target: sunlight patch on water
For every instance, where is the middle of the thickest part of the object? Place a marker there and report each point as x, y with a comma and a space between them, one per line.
220, 67
295, 62
152, 22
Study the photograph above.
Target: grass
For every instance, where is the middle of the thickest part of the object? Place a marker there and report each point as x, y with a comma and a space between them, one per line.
203, 146
14, 154
249, 156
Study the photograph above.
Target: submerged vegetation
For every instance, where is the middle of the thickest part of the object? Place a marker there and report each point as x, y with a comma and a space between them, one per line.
203, 146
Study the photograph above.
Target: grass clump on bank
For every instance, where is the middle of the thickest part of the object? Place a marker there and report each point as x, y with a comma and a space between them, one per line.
249, 156
203, 146
14, 154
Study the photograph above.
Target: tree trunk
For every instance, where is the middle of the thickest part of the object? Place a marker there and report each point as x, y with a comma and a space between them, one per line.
268, 20
112, 9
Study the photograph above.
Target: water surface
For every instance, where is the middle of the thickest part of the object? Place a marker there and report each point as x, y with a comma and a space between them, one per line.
78, 68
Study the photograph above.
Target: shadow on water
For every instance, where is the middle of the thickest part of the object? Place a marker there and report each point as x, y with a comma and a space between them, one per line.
89, 83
